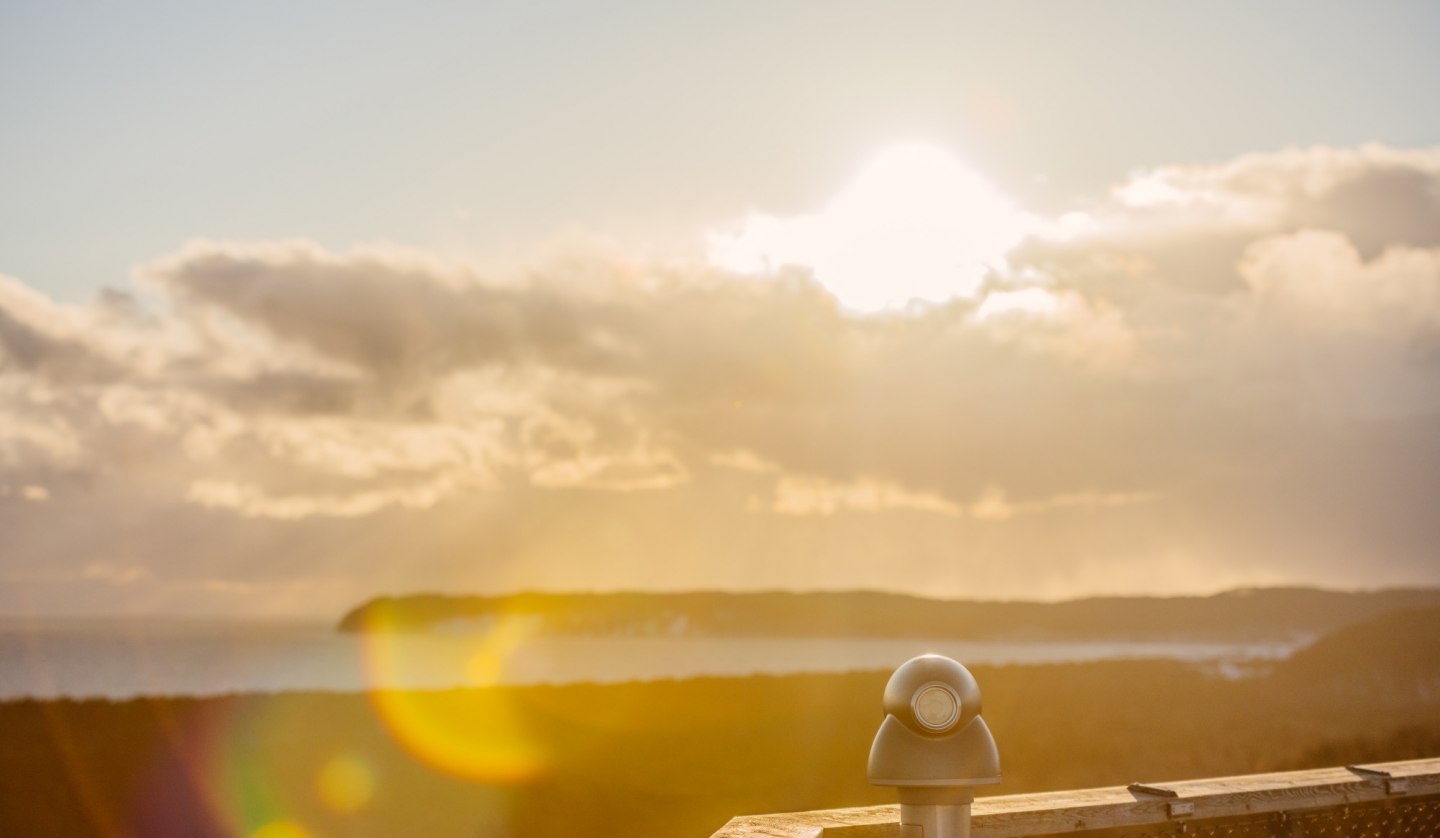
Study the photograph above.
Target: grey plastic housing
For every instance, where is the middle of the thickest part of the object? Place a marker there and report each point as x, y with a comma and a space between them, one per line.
910, 754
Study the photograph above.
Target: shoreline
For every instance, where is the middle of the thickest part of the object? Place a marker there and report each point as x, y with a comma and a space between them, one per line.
79, 665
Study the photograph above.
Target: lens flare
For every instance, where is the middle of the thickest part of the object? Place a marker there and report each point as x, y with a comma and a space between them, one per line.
346, 783
477, 734
242, 775
259, 767
280, 829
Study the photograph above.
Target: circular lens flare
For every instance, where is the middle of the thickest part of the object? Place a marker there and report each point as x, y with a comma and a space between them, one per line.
478, 734
280, 829
346, 783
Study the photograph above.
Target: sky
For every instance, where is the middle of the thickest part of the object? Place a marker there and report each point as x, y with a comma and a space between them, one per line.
305, 303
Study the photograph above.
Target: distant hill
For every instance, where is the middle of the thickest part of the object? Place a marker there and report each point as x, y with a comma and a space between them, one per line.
1247, 614
1396, 653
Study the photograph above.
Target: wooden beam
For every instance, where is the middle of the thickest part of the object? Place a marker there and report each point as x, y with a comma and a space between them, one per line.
1017, 815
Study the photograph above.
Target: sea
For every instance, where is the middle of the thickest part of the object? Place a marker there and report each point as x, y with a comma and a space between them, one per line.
124, 658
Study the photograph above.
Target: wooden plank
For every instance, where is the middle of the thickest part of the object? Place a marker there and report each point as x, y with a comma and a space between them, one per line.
1013, 816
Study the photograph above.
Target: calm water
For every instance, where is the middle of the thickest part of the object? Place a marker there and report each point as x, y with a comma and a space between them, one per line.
119, 659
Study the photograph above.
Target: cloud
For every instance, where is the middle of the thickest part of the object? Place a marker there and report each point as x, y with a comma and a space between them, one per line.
1231, 368
817, 496
742, 460
1187, 225
32, 493
1317, 279
40, 337
1374, 194
253, 502
993, 505
1061, 323
104, 572
799, 495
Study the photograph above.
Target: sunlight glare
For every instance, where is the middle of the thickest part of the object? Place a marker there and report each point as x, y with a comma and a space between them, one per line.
915, 224
1031, 301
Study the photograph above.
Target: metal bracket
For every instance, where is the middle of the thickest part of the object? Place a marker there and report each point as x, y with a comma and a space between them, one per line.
1157, 791
1393, 784
1175, 809
1372, 772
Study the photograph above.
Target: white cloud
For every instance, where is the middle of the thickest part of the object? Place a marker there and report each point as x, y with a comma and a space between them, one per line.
994, 505
641, 469
1211, 337
1061, 323
818, 496
804, 496
254, 502
740, 459
1268, 189
1317, 280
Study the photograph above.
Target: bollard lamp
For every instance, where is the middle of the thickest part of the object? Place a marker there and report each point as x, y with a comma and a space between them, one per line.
933, 747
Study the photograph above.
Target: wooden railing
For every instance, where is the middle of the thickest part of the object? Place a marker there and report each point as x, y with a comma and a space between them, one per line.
1379, 799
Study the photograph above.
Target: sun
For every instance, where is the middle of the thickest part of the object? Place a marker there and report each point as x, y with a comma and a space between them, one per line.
915, 223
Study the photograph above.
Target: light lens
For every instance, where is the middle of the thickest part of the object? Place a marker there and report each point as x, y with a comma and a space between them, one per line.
936, 706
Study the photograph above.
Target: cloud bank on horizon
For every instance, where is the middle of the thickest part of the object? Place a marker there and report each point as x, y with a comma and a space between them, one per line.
1214, 375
